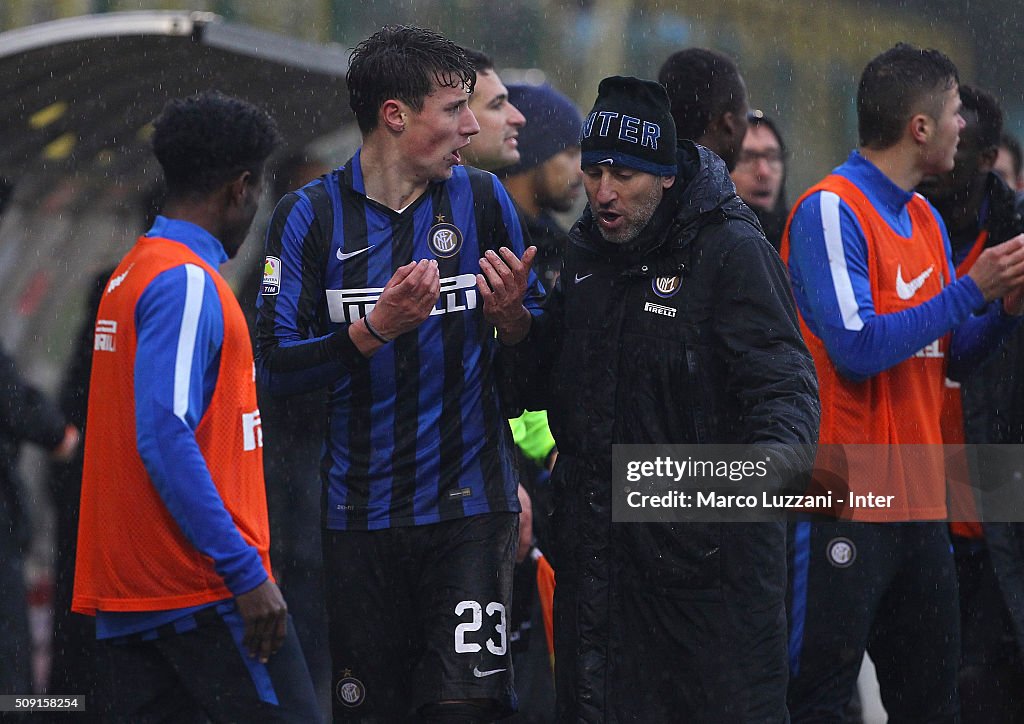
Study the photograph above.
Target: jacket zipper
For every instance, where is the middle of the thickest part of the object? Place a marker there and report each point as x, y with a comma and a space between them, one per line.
696, 407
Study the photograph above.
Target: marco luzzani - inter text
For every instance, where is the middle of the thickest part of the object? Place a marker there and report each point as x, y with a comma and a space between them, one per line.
734, 470
777, 501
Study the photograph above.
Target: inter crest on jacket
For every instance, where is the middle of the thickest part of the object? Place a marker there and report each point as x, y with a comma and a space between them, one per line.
666, 287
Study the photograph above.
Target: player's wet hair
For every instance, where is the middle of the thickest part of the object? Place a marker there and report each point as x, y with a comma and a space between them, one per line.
482, 63
898, 84
404, 63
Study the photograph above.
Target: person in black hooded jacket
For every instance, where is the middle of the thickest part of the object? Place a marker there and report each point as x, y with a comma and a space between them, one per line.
672, 322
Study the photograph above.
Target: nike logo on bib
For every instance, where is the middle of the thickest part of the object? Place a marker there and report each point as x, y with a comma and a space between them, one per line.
905, 290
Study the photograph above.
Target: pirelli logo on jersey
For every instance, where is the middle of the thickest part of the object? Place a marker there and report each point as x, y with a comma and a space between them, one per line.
252, 431
104, 340
458, 294
932, 351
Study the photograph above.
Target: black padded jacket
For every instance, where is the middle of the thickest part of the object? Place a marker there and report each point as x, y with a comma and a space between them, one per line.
687, 335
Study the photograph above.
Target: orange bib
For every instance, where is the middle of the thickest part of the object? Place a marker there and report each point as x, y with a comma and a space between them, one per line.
131, 554
902, 405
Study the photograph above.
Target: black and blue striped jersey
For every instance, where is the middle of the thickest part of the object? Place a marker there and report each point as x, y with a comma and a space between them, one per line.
416, 433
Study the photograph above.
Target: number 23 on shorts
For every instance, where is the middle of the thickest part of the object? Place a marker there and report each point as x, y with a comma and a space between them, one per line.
494, 611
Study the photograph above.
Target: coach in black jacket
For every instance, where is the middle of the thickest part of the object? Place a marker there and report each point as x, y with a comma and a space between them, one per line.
672, 323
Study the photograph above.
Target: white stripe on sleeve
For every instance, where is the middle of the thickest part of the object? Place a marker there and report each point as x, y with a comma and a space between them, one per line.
195, 287
848, 308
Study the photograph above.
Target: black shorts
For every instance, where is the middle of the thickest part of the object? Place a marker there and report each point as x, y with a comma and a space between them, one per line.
202, 675
420, 615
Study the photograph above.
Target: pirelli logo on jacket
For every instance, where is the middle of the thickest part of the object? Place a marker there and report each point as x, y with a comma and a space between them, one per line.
660, 309
458, 294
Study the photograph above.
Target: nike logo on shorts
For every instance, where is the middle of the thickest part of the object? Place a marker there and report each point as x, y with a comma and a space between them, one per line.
481, 674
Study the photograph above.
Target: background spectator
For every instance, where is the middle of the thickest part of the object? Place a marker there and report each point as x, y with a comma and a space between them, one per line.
760, 175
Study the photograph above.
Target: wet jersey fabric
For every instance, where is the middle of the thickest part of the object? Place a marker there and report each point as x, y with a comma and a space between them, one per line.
417, 433
877, 295
173, 504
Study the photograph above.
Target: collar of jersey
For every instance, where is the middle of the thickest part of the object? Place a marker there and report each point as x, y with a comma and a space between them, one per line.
199, 240
870, 179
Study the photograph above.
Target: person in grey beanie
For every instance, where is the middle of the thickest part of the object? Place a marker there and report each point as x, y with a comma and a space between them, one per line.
671, 323
547, 178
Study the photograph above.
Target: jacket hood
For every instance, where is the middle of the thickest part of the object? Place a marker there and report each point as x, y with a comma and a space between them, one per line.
703, 193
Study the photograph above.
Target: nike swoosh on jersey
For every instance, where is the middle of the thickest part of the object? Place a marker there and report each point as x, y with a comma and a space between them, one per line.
116, 281
904, 289
481, 674
585, 276
342, 256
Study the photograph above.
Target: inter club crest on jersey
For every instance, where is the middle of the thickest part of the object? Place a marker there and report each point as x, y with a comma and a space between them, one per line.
444, 239
666, 287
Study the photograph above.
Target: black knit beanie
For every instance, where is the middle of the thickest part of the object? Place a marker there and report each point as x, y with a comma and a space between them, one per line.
552, 125
630, 125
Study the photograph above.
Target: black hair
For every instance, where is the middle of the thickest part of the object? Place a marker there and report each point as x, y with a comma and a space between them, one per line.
1011, 144
897, 84
291, 171
990, 115
702, 85
482, 63
402, 62
206, 140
